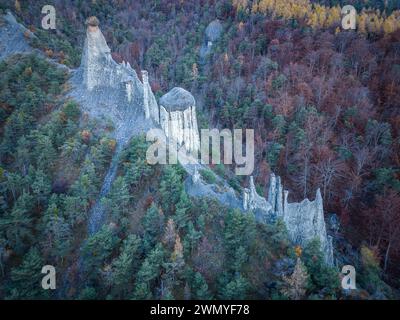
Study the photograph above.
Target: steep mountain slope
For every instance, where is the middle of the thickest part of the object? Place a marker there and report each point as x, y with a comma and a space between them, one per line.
129, 170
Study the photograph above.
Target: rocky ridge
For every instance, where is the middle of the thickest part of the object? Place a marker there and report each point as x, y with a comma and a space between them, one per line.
112, 91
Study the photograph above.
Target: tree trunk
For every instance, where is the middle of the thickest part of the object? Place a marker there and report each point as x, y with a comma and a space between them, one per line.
387, 256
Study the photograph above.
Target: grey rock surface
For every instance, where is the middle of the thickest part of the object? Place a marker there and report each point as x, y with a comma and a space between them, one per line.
212, 34
178, 119
14, 37
177, 99
109, 91
214, 30
196, 187
304, 220
151, 107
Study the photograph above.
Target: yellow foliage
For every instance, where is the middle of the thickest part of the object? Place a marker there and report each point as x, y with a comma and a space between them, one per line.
334, 17
320, 16
369, 257
254, 8
17, 6
295, 285
28, 71
389, 25
112, 143
178, 249
362, 23
298, 251
313, 20
239, 4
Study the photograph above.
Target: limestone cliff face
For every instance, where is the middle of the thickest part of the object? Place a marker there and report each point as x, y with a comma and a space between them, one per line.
304, 220
99, 68
108, 89
253, 202
212, 33
178, 118
13, 37
150, 102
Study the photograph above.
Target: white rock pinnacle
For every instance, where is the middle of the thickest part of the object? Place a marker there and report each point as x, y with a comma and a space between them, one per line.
178, 118
304, 220
150, 103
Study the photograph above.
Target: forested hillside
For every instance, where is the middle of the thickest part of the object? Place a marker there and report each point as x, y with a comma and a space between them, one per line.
324, 104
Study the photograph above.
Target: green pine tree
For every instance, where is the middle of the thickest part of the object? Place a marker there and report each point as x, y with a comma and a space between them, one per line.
26, 279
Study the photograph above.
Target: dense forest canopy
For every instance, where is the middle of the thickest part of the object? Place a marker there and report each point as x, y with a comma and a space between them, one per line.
324, 103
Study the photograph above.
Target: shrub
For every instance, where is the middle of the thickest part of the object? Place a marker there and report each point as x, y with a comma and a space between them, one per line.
208, 176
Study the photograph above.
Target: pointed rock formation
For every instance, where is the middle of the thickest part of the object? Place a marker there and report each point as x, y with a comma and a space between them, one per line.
106, 88
150, 102
112, 91
253, 201
304, 220
275, 194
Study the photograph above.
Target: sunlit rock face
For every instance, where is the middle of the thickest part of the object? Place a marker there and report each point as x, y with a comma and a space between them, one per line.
178, 118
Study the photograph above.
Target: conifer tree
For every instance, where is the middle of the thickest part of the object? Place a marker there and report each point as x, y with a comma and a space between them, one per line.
97, 250
295, 285
26, 278
148, 272
181, 216
153, 222
200, 288
124, 265
170, 188
117, 202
